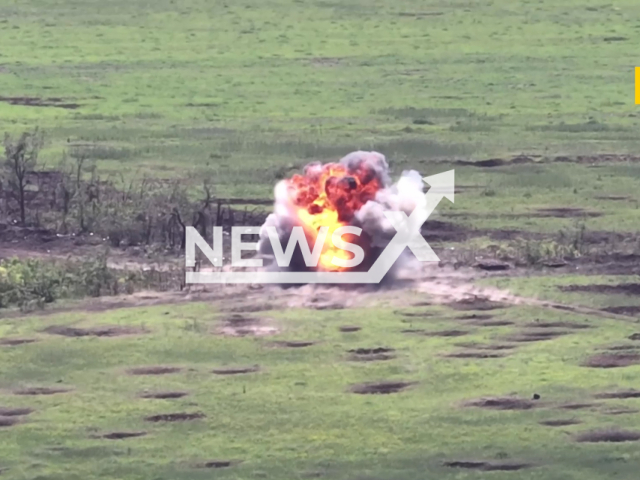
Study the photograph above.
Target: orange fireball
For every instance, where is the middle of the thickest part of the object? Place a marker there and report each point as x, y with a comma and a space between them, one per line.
328, 196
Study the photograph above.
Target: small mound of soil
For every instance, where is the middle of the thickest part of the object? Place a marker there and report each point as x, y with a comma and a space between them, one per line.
380, 388
475, 316
619, 394
476, 303
371, 354
371, 351
629, 310
609, 435
577, 406
612, 360
414, 314
14, 412
621, 348
535, 336
175, 417
153, 370
501, 403
40, 102
12, 342
488, 466
570, 325
472, 354
164, 395
492, 266
446, 333
295, 344
350, 328
8, 421
41, 391
236, 370
122, 435
634, 337
219, 463
100, 331
490, 323
561, 422
481, 346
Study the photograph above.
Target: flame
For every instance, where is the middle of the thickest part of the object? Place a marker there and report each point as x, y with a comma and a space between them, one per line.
329, 195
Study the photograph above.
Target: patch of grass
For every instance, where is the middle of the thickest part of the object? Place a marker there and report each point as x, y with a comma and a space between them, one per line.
315, 80
297, 414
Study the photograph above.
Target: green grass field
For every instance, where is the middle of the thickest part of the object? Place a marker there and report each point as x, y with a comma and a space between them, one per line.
242, 89
296, 417
246, 93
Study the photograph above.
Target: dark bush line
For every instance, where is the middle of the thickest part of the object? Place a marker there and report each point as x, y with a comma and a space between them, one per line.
33, 283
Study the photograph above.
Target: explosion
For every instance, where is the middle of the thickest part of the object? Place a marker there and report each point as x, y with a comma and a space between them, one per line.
353, 192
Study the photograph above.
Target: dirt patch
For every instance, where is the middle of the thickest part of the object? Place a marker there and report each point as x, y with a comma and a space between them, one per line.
153, 370
612, 360
238, 325
621, 289
380, 388
577, 406
487, 346
565, 212
219, 463
501, 403
414, 314
349, 328
41, 391
236, 370
570, 325
100, 331
629, 310
40, 102
14, 412
634, 337
560, 422
12, 342
534, 336
621, 348
619, 394
489, 163
475, 316
175, 417
446, 333
371, 354
8, 421
492, 266
122, 435
490, 323
164, 395
295, 344
478, 354
476, 303
489, 466
615, 198
608, 435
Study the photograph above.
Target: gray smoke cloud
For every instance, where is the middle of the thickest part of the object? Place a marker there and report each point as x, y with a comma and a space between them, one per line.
403, 196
